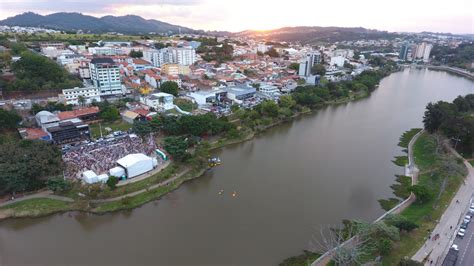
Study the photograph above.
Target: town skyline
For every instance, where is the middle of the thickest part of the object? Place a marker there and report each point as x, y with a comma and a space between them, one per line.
212, 15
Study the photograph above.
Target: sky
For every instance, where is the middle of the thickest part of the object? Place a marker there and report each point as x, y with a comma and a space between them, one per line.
455, 16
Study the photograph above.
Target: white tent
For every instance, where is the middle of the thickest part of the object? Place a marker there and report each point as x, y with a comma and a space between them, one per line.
117, 171
90, 177
136, 164
103, 178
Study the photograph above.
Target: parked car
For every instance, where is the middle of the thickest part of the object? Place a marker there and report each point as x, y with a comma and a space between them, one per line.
467, 219
464, 225
461, 233
471, 209
455, 247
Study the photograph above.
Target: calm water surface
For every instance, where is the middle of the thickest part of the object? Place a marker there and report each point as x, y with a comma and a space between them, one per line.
322, 168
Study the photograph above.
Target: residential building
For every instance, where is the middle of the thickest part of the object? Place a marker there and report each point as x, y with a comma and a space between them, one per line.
337, 61
175, 69
85, 114
171, 55
312, 58
105, 75
159, 100
269, 90
71, 96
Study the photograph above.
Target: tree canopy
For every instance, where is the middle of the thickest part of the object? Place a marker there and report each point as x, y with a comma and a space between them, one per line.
25, 165
9, 119
170, 87
34, 72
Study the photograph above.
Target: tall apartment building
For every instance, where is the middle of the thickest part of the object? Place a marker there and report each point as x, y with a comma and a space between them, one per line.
311, 59
105, 76
171, 55
411, 52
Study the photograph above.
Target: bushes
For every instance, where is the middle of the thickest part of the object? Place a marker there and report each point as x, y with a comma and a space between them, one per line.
112, 182
58, 184
35, 72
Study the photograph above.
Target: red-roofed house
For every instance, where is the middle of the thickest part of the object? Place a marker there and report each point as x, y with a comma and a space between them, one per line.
85, 114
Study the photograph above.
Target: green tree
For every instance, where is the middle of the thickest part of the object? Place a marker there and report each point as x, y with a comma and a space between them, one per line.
402, 223
318, 69
294, 66
136, 54
81, 100
287, 101
176, 147
26, 165
112, 182
109, 113
422, 193
170, 87
58, 184
9, 119
269, 108
272, 53
142, 127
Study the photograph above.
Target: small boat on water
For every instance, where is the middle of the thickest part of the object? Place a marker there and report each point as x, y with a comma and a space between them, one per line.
214, 161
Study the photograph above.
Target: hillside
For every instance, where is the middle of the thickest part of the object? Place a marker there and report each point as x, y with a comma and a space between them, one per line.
75, 21
317, 34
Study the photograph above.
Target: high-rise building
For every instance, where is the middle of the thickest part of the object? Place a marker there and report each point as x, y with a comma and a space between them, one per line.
171, 55
105, 75
403, 51
426, 52
311, 59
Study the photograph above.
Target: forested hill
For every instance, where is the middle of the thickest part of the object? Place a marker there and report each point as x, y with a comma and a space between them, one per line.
63, 21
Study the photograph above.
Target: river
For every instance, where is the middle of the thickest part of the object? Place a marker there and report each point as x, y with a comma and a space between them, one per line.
289, 182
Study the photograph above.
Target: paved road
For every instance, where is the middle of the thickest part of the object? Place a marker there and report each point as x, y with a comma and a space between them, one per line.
466, 247
436, 250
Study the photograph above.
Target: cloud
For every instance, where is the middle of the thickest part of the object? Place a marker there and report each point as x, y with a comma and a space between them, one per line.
84, 6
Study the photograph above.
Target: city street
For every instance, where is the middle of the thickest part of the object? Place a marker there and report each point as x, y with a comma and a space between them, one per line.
466, 245
436, 250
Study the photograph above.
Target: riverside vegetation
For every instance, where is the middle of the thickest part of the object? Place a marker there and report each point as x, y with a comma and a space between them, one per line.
441, 174
189, 140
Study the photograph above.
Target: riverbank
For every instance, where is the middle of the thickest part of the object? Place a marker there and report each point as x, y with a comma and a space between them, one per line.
94, 198
443, 184
452, 70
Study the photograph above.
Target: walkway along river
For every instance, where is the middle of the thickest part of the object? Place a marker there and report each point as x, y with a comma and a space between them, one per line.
277, 190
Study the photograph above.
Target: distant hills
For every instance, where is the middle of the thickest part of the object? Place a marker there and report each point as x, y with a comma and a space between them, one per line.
318, 34
131, 24
63, 21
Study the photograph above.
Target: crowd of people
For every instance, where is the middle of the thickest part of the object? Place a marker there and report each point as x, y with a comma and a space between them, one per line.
101, 156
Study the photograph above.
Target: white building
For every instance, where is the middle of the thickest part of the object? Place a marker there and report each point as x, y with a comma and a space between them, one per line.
337, 61
171, 55
426, 52
269, 90
137, 164
312, 58
159, 100
90, 94
105, 75
106, 51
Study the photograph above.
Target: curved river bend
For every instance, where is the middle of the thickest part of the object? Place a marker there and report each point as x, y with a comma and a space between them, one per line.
317, 170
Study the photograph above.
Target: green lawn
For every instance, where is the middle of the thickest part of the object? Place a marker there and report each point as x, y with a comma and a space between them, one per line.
401, 160
97, 192
133, 202
35, 207
115, 126
426, 214
407, 136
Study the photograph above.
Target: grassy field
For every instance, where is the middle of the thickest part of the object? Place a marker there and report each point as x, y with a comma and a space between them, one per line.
407, 136
35, 207
138, 200
115, 126
98, 192
426, 214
